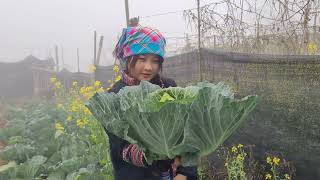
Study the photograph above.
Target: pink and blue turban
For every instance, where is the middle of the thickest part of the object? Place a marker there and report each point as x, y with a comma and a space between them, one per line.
139, 40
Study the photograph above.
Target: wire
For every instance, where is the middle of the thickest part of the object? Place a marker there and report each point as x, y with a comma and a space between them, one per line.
179, 11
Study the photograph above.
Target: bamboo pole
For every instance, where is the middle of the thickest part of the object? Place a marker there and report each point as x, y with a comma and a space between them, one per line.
57, 58
99, 51
78, 60
95, 47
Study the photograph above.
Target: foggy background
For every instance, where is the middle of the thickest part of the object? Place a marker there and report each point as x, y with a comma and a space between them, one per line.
36, 26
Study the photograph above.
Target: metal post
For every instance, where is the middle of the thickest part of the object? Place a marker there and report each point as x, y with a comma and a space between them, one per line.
199, 42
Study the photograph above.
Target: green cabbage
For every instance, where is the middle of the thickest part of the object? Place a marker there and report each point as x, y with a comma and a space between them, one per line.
190, 122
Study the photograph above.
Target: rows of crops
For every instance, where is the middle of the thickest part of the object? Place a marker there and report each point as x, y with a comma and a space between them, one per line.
58, 140
62, 140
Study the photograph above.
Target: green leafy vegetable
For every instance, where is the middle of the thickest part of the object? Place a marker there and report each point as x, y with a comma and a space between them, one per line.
190, 122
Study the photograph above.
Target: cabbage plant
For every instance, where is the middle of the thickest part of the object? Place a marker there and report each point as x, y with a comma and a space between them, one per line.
190, 122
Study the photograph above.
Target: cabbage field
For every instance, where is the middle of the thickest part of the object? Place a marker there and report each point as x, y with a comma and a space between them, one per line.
58, 140
65, 138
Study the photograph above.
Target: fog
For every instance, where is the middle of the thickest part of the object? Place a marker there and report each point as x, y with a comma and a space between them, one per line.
34, 27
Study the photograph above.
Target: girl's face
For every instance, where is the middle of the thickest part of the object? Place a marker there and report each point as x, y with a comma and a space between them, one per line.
147, 66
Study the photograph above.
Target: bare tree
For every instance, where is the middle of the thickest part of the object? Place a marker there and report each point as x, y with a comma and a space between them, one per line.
258, 26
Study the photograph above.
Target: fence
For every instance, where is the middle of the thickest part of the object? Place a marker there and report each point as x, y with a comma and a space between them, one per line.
287, 119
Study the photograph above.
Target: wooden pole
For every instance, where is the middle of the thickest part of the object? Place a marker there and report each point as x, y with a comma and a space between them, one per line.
99, 51
57, 58
306, 23
127, 12
78, 60
62, 57
95, 47
316, 7
199, 42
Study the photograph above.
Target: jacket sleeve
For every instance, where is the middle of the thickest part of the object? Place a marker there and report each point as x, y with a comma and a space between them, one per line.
122, 150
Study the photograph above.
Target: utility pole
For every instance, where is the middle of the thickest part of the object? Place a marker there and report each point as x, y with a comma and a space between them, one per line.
57, 58
78, 60
199, 41
127, 12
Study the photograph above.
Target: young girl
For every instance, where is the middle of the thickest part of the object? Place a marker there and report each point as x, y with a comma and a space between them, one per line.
141, 53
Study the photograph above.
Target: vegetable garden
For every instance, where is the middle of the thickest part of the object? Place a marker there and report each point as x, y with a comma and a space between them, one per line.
65, 138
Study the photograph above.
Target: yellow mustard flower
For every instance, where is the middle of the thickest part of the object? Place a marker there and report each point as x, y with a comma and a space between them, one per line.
92, 68
97, 83
74, 107
85, 121
59, 126
240, 146
234, 149
312, 48
74, 83
118, 78
100, 90
69, 118
287, 176
86, 111
82, 90
58, 85
89, 88
116, 68
268, 176
269, 160
53, 79
276, 161
240, 157
80, 123
88, 95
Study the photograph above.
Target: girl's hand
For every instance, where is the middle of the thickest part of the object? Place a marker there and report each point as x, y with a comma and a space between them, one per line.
180, 177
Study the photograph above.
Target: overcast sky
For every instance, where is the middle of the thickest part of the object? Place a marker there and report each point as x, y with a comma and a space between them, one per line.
35, 26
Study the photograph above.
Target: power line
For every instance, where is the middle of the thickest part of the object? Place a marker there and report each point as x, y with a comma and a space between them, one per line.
180, 11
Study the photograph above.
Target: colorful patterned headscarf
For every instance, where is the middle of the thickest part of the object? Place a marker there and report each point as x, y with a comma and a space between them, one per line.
139, 40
